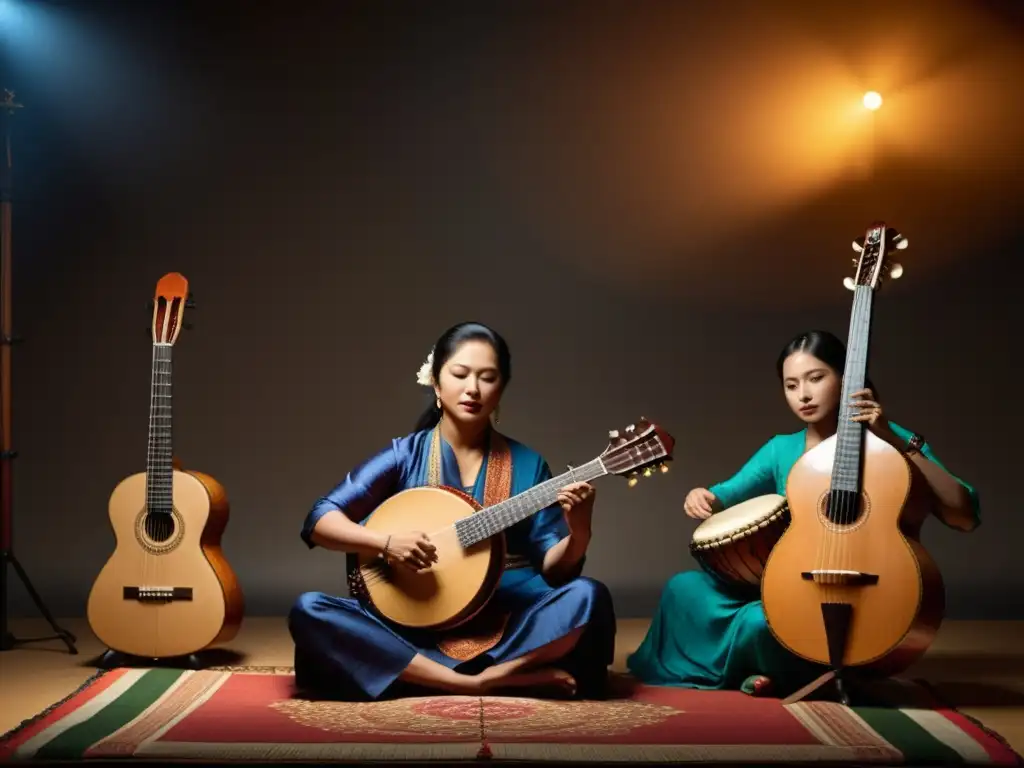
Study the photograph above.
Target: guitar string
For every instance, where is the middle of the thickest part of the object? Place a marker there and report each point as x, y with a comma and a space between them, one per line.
851, 436
843, 501
838, 511
151, 449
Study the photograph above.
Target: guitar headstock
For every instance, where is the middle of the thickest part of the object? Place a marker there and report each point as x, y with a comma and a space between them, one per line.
640, 448
169, 303
873, 265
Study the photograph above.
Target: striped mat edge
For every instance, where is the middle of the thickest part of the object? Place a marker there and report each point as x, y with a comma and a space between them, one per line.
958, 726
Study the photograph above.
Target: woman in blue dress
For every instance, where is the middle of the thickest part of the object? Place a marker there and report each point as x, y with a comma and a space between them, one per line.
705, 634
559, 627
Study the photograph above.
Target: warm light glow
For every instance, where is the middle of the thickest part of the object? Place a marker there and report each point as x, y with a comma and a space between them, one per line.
872, 100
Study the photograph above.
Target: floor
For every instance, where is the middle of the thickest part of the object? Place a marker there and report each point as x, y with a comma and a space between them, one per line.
978, 666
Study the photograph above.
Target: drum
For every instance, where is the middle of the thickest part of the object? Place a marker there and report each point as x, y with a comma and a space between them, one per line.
734, 544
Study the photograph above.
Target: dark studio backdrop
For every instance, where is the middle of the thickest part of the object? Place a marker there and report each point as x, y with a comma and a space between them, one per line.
647, 199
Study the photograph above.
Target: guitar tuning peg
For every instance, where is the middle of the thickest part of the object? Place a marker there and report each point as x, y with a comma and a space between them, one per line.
902, 243
612, 434
664, 468
848, 283
633, 480
896, 271
858, 247
648, 471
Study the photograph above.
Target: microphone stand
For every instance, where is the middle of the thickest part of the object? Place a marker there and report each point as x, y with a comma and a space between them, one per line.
7, 453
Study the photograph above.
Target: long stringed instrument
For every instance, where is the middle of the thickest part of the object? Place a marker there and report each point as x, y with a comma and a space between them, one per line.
470, 540
848, 584
167, 590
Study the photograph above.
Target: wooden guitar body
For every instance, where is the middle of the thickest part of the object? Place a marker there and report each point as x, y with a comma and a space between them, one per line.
894, 620
456, 587
167, 592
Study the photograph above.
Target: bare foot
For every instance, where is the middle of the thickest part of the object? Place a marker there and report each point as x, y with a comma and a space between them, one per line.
545, 682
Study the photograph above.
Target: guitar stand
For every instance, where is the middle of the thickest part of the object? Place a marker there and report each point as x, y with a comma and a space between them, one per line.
7, 639
833, 675
111, 659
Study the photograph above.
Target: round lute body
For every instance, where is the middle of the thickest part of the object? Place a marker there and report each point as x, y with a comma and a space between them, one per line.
848, 584
470, 540
456, 587
733, 545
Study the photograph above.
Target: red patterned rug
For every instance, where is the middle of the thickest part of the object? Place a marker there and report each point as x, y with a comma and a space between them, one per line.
253, 715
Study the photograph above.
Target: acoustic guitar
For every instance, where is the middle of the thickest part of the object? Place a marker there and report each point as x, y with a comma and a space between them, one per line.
470, 540
848, 584
167, 590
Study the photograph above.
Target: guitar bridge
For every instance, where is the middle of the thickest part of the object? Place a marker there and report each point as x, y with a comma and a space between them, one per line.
840, 577
157, 594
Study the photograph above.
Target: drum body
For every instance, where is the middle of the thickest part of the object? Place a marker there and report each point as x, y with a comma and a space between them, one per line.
733, 545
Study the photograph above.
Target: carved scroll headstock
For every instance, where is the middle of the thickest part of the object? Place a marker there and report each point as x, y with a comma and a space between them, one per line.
640, 448
873, 265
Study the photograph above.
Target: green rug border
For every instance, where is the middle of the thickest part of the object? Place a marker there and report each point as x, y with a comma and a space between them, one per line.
280, 669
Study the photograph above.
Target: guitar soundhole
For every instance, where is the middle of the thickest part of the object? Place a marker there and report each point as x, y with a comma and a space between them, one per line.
159, 532
844, 510
159, 528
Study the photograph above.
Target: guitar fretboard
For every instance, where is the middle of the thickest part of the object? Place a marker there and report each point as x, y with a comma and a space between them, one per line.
495, 519
159, 470
850, 434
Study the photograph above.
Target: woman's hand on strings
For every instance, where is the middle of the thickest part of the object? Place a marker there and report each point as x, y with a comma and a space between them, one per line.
698, 503
868, 410
411, 550
577, 502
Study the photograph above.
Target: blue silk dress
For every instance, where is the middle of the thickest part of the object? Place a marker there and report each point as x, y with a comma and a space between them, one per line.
704, 635
343, 650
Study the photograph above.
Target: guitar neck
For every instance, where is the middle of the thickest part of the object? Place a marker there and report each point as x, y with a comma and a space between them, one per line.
850, 434
495, 519
159, 470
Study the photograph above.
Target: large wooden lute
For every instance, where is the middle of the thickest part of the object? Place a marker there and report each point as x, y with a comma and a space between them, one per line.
167, 590
848, 585
470, 540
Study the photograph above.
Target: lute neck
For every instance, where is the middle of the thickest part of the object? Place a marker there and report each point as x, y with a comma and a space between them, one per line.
499, 517
850, 434
159, 470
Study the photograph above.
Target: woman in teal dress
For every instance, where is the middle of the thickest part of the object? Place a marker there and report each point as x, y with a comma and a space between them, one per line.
557, 634
710, 636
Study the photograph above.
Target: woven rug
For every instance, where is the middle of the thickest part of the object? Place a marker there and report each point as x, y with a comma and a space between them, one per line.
253, 714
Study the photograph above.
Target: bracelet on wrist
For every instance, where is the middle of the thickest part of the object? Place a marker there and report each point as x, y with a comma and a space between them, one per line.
915, 444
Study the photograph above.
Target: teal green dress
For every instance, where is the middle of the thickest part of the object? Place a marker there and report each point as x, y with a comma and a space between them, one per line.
705, 635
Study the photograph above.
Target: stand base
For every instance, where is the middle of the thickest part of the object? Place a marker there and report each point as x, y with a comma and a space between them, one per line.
842, 681
112, 659
7, 639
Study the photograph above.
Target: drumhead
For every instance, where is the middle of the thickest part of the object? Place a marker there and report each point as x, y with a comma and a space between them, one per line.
725, 523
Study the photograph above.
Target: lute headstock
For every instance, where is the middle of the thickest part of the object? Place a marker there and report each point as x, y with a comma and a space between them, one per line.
873, 264
169, 303
640, 448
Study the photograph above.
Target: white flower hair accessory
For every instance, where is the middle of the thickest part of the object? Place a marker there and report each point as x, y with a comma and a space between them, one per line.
425, 375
